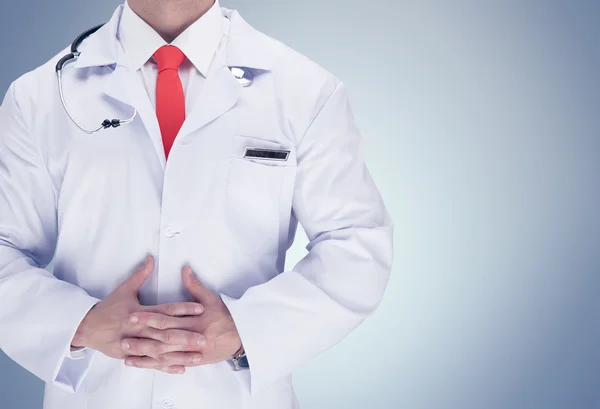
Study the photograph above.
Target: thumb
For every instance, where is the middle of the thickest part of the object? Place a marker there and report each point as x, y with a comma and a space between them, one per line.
194, 286
135, 281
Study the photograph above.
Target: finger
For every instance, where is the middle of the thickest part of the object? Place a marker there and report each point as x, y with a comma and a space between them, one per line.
151, 363
135, 281
182, 358
152, 348
176, 309
143, 347
178, 369
194, 286
175, 337
161, 321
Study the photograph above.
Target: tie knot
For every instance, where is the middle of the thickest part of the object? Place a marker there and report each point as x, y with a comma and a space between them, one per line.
169, 57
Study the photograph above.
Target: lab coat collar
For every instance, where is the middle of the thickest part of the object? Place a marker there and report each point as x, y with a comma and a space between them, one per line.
100, 48
198, 42
246, 46
243, 47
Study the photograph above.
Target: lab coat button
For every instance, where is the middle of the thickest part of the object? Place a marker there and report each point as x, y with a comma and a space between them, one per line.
168, 404
171, 231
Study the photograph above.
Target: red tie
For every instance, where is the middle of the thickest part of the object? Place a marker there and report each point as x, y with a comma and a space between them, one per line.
170, 101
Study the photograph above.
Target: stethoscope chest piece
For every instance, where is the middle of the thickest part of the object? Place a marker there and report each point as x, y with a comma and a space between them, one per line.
243, 75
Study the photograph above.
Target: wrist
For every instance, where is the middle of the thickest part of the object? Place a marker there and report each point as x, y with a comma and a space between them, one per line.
80, 340
81, 337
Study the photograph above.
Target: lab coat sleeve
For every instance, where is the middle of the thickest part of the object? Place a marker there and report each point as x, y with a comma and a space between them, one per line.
302, 312
39, 314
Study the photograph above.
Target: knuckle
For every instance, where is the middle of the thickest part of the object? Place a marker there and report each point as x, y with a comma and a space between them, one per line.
132, 349
128, 319
169, 338
136, 317
170, 309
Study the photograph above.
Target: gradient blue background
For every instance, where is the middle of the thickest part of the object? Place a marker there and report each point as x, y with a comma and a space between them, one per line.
482, 128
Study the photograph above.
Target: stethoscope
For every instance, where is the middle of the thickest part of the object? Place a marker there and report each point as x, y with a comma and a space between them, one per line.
243, 75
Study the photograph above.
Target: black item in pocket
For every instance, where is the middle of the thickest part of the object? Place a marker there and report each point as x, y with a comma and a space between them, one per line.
272, 154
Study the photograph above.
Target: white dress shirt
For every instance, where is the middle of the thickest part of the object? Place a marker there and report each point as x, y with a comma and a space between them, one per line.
198, 42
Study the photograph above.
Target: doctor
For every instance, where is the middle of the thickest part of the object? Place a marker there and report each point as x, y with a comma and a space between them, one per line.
169, 230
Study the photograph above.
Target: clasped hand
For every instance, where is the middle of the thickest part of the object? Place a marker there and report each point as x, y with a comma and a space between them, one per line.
166, 337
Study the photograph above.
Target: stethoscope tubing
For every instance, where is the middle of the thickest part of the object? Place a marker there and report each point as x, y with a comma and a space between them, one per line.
243, 75
71, 57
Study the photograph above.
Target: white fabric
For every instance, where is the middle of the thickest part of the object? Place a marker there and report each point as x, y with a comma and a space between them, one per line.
198, 42
139, 42
100, 203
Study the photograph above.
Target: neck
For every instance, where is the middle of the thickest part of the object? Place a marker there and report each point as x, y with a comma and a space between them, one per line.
169, 18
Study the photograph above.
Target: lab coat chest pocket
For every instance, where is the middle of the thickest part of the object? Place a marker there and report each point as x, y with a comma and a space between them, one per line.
259, 193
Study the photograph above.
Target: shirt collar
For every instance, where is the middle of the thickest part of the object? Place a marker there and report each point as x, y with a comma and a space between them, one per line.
198, 42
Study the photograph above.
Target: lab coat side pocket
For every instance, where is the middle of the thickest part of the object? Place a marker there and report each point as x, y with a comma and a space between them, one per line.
258, 196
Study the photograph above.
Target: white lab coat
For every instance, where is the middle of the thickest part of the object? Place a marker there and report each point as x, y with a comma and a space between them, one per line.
100, 203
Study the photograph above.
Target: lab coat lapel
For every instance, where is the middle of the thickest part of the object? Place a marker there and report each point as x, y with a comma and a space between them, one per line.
242, 46
126, 86
122, 85
219, 94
